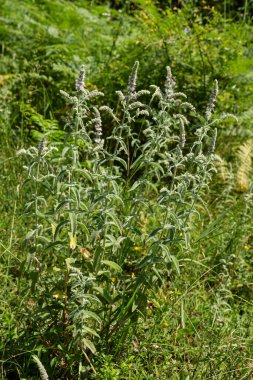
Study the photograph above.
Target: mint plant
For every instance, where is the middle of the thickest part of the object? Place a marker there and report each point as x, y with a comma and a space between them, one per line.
110, 217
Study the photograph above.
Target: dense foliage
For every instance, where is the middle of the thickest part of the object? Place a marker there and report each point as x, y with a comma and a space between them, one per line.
126, 233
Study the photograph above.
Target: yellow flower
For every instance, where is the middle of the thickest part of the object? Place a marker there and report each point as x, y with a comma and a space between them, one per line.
86, 254
59, 296
247, 247
137, 248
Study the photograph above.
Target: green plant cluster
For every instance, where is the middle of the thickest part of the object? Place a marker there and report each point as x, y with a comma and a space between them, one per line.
111, 219
110, 223
59, 37
126, 229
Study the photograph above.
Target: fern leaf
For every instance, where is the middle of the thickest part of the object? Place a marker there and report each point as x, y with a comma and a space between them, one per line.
244, 156
222, 169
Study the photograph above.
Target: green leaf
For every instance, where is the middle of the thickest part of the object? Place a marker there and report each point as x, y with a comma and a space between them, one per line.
155, 232
145, 261
157, 274
116, 221
112, 265
89, 314
135, 185
171, 258
115, 197
84, 173
98, 254
124, 164
88, 344
84, 230
104, 294
138, 164
55, 243
61, 206
73, 220
89, 331
30, 234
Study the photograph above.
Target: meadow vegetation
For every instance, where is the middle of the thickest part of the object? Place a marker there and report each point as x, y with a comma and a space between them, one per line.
126, 234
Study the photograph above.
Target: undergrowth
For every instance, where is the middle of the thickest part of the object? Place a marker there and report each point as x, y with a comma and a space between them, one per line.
126, 228
112, 222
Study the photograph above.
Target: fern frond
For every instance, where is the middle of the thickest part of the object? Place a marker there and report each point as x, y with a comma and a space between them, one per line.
222, 169
244, 155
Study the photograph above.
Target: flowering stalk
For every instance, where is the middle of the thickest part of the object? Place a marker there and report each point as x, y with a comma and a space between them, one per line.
212, 101
81, 80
